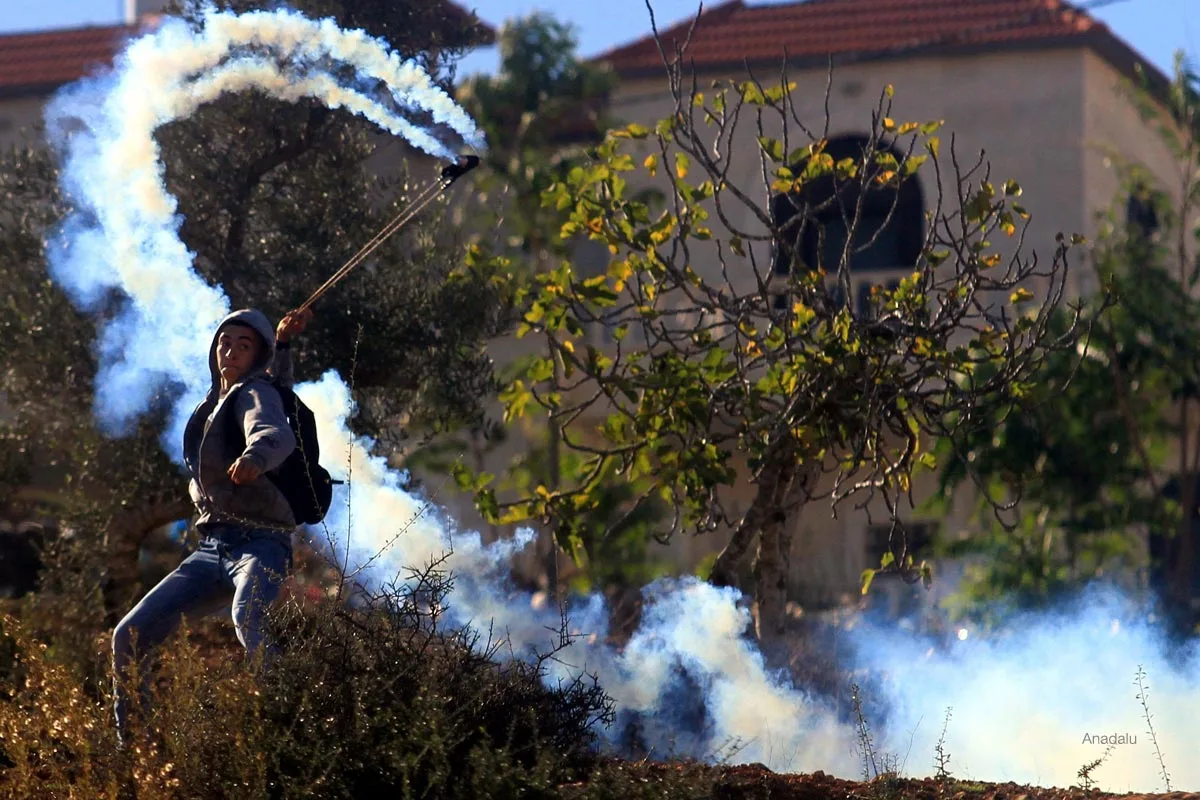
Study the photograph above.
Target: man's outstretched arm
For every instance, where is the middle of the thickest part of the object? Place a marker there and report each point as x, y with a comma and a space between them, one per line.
291, 326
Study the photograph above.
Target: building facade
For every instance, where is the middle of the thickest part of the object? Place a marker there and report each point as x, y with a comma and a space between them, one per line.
1037, 88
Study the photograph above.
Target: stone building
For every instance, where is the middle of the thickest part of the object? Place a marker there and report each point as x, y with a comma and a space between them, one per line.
1035, 84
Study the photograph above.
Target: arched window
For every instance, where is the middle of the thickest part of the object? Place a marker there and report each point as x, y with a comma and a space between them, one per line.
816, 222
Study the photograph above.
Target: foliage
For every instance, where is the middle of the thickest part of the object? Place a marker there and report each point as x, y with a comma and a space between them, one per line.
1088, 458
707, 371
609, 538
275, 196
539, 112
47, 368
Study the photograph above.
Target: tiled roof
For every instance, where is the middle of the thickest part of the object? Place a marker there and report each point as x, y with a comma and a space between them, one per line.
33, 63
732, 32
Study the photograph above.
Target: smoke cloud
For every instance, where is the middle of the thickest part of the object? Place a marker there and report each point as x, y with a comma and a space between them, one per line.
1044, 697
1023, 706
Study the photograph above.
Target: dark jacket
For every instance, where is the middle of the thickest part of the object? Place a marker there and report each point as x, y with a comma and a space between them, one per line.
211, 443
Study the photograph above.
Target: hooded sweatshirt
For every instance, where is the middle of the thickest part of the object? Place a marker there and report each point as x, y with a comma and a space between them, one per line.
211, 443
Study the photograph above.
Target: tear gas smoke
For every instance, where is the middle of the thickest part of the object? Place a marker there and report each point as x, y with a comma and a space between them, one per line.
1022, 706
104, 129
1035, 703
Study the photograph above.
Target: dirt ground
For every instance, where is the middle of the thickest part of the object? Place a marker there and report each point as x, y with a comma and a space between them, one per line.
756, 782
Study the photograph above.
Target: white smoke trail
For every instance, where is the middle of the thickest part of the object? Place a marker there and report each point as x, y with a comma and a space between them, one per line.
123, 237
104, 128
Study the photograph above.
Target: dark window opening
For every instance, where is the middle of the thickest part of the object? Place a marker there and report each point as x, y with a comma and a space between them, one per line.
877, 244
889, 232
837, 298
1140, 215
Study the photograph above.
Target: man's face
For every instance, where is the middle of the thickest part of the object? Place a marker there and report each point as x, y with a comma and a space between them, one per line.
237, 351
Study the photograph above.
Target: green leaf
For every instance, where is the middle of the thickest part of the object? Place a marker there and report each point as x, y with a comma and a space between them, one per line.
911, 165
462, 476
818, 166
752, 94
772, 147
777, 93
979, 205
868, 575
485, 502
799, 154
515, 398
682, 162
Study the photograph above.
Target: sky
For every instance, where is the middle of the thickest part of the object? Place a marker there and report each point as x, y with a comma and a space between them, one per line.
1156, 28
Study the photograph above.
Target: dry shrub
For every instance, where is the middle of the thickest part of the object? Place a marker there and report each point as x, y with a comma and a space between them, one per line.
375, 698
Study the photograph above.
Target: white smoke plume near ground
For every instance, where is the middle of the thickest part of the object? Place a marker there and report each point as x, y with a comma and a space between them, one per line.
1022, 706
686, 624
1042, 700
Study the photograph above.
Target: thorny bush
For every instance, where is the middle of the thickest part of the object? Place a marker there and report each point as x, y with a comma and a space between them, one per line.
375, 697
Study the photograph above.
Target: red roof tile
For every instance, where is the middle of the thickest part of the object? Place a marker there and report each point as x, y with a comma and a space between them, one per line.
31, 62
733, 32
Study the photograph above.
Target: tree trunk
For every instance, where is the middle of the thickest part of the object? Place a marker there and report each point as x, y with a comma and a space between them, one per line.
770, 579
123, 539
783, 486
772, 563
1181, 563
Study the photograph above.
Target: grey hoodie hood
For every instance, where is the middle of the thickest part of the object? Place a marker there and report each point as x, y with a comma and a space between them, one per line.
257, 321
249, 422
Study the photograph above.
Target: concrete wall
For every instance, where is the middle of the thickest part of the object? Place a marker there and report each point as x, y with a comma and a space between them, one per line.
1114, 132
1024, 110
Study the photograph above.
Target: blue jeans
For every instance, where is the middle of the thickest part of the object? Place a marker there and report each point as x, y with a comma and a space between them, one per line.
251, 564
